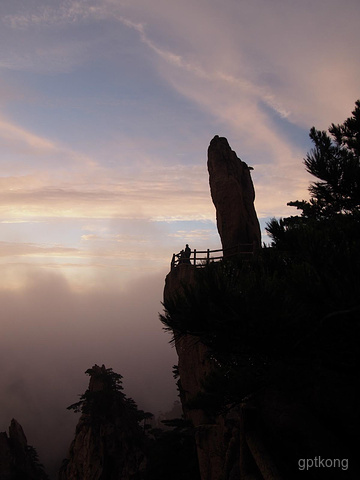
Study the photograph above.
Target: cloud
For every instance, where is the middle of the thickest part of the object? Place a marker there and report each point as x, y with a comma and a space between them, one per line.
15, 137
53, 334
43, 37
112, 251
271, 52
268, 52
152, 192
241, 72
204, 235
245, 82
31, 159
44, 14
266, 59
29, 249
91, 236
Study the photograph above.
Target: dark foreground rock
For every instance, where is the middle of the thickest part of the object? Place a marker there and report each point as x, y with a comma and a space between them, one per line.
18, 460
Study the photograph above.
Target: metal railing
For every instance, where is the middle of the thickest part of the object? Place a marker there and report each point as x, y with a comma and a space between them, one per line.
200, 258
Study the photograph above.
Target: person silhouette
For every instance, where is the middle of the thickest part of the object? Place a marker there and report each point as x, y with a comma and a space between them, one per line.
187, 253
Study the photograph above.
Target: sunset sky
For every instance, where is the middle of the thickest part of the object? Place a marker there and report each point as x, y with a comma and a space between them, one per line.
107, 108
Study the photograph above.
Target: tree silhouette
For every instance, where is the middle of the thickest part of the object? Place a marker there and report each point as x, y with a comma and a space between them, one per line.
105, 393
335, 195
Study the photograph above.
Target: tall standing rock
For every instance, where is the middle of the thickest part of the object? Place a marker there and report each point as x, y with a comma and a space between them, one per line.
233, 194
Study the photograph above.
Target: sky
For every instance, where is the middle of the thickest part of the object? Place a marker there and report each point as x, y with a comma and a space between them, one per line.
107, 108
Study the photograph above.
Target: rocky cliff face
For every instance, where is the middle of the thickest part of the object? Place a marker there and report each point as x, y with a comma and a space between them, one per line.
109, 443
233, 194
212, 436
18, 460
193, 363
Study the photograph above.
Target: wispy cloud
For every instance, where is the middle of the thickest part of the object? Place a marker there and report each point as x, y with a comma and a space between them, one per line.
14, 249
16, 138
99, 192
244, 81
231, 82
198, 234
68, 11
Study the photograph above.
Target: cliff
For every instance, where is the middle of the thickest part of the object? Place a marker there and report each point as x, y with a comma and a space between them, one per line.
18, 460
109, 443
194, 365
216, 438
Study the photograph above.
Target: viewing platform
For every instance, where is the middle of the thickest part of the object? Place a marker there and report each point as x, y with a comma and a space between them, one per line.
201, 258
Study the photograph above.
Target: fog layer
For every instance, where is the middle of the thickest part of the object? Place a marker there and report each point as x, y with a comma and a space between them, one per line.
51, 334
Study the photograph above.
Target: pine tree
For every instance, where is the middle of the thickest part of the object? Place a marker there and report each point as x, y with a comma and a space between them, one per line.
335, 195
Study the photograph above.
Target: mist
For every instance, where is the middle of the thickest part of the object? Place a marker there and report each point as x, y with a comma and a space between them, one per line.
51, 335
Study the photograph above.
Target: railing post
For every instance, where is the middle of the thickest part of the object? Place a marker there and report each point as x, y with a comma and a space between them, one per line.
194, 257
208, 256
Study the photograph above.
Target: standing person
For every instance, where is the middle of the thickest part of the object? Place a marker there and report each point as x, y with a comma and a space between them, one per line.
187, 254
